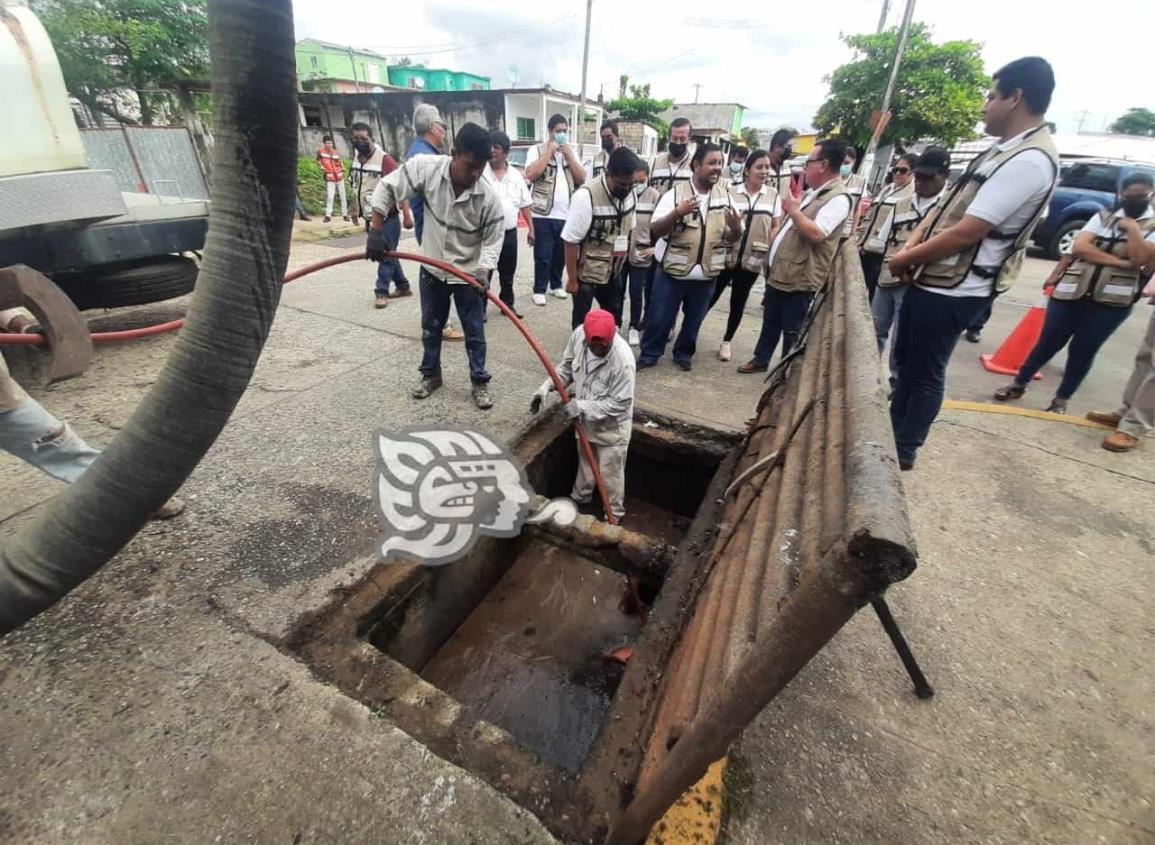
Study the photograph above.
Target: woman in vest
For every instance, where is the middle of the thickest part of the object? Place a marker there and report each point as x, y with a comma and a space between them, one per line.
693, 225
761, 209
876, 221
1095, 295
640, 269
554, 172
597, 237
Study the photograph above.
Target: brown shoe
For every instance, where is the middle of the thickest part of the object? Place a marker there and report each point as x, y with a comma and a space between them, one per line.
1109, 418
381, 301
401, 294
1120, 441
451, 333
753, 367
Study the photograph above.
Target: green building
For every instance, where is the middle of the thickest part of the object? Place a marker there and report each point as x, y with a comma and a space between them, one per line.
336, 68
436, 79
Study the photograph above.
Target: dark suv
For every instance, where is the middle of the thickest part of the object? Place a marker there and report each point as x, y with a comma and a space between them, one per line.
1086, 188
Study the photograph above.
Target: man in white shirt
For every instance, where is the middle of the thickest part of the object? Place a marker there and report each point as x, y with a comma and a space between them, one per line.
512, 190
962, 249
465, 227
554, 172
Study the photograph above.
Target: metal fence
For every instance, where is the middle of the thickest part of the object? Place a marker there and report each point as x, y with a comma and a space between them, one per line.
157, 160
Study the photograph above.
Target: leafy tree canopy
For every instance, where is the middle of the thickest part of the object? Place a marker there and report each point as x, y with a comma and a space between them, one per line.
1136, 121
938, 94
640, 105
749, 137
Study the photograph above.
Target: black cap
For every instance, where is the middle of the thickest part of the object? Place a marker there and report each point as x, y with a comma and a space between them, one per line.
933, 160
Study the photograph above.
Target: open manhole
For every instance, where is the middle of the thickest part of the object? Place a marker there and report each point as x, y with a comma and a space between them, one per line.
502, 661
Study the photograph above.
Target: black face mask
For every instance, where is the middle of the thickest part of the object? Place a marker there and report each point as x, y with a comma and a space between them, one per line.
363, 149
622, 193
608, 144
1134, 208
677, 150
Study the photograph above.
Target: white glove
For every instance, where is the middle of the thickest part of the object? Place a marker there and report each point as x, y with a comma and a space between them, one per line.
539, 397
572, 410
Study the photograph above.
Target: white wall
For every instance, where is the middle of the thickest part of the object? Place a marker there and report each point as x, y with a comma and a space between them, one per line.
523, 105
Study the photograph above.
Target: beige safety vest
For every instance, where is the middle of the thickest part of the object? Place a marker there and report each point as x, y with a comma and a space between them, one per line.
694, 241
951, 271
870, 238
1105, 285
856, 187
543, 186
781, 180
640, 235
612, 221
753, 248
664, 176
798, 264
906, 219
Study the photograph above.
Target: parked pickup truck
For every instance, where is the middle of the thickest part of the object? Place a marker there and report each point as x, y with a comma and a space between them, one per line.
1087, 187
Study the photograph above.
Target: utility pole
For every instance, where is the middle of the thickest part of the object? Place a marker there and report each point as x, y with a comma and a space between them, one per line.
1083, 115
883, 16
697, 88
581, 120
903, 31
353, 64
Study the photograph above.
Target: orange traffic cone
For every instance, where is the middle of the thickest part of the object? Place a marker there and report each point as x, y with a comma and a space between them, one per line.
1009, 357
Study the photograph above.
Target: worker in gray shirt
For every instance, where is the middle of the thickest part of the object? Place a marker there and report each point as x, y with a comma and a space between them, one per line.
465, 227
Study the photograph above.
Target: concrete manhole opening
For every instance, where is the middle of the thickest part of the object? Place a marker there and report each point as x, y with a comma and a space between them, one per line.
506, 661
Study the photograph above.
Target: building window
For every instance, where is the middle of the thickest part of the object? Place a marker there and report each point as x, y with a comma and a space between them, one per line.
313, 61
413, 82
476, 86
526, 131
312, 115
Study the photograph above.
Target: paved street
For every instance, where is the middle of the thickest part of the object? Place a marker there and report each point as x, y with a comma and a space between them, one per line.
156, 702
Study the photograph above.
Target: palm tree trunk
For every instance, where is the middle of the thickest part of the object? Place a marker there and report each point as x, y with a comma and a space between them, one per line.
254, 92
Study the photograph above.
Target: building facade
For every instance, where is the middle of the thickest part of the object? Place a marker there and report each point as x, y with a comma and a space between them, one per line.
435, 79
322, 66
718, 123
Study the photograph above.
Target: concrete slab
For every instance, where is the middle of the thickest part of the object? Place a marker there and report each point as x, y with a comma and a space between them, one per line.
154, 703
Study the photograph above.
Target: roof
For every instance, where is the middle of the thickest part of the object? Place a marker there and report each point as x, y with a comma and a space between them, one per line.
344, 48
704, 115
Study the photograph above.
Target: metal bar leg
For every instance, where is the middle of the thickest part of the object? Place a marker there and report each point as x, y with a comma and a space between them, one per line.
921, 688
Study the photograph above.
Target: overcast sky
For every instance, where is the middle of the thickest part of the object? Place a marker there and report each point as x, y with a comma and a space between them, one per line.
773, 63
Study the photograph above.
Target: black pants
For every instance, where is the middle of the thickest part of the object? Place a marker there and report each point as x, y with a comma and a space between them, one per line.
783, 313
507, 265
980, 319
871, 268
608, 296
740, 281
1083, 324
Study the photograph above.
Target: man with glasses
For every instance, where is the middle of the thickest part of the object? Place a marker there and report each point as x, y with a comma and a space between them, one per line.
802, 253
872, 240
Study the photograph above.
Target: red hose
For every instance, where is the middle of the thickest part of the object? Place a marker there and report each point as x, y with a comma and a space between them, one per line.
173, 325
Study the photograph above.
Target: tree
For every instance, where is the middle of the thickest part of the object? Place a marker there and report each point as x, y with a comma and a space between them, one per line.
749, 137
938, 94
108, 46
1135, 121
640, 106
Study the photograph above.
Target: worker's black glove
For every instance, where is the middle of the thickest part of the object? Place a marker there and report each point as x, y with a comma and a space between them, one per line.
482, 277
375, 246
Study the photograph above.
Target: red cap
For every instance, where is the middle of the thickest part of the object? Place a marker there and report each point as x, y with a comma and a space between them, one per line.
599, 325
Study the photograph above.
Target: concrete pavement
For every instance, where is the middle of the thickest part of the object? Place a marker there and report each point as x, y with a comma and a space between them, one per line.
155, 702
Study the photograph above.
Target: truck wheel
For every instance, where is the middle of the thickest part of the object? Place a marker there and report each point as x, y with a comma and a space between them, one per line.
131, 283
1062, 240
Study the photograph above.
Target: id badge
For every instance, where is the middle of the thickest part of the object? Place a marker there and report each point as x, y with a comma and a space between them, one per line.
621, 245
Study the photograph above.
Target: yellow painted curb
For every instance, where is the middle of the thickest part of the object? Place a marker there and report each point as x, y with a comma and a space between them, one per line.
696, 817
1012, 411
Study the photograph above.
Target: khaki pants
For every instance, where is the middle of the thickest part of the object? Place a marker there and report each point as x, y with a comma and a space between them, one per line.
612, 463
1138, 411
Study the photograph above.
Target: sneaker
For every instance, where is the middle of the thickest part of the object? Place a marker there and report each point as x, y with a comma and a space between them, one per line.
1110, 418
539, 299
559, 293
724, 351
426, 387
753, 367
685, 366
173, 507
450, 333
481, 397
645, 365
1120, 441
1057, 406
401, 293
382, 301
635, 338
327, 219
973, 336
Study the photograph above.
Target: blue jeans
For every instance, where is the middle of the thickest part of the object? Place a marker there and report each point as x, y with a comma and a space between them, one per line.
390, 270
548, 254
35, 436
670, 295
1083, 323
980, 319
641, 293
929, 325
884, 309
782, 316
470, 303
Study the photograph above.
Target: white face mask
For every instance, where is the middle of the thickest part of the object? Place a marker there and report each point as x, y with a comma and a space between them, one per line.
844, 171
735, 167
640, 188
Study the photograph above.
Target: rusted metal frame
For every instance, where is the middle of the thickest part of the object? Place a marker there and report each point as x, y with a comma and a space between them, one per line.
772, 460
922, 687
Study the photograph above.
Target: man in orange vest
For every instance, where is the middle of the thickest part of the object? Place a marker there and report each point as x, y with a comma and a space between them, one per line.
334, 170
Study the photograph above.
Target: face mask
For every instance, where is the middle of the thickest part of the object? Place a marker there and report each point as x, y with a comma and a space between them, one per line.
787, 153
677, 150
640, 188
621, 193
559, 138
844, 171
1134, 208
736, 167
608, 144
363, 148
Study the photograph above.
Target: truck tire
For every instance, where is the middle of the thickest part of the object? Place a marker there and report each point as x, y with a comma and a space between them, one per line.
131, 283
1066, 232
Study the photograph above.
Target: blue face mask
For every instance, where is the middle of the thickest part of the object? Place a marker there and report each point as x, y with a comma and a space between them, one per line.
559, 137
844, 171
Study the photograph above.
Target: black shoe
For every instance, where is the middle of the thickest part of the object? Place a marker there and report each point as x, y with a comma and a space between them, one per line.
427, 386
685, 365
645, 365
973, 336
905, 466
481, 397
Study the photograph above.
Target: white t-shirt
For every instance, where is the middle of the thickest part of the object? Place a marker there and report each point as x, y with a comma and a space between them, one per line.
512, 190
561, 195
1008, 201
581, 215
664, 207
921, 204
829, 217
1094, 227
